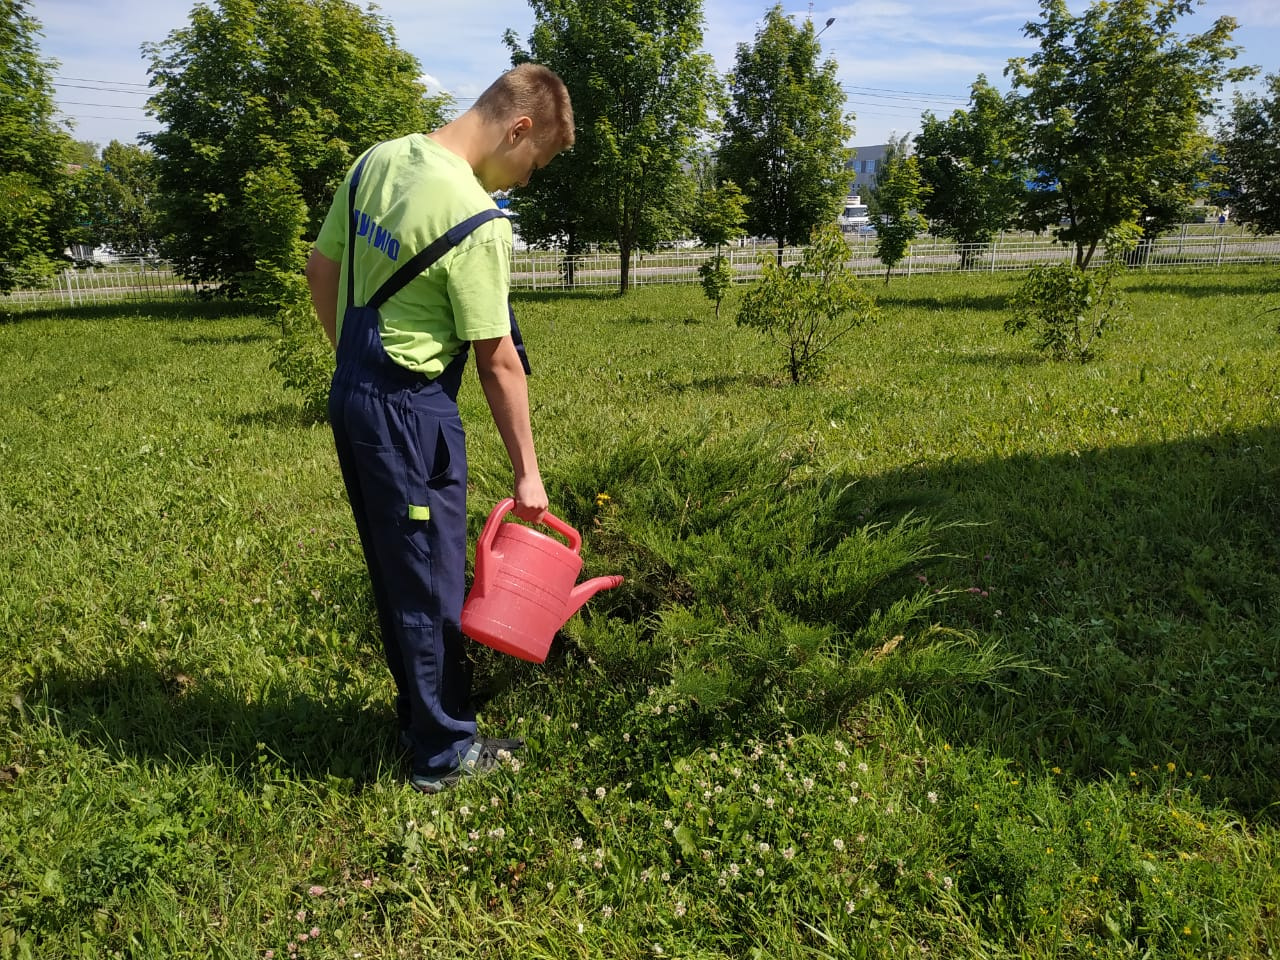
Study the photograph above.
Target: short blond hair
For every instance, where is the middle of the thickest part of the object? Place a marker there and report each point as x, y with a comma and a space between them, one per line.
531, 90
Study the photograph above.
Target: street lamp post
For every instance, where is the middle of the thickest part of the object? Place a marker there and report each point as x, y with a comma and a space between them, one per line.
830, 21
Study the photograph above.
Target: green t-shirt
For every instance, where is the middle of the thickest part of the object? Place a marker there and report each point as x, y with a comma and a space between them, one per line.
411, 191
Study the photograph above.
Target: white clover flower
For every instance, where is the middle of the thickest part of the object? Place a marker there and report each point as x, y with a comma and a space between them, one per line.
933, 797
850, 906
947, 882
838, 843
576, 843
679, 910
606, 911
600, 792
862, 767
789, 853
667, 823
762, 847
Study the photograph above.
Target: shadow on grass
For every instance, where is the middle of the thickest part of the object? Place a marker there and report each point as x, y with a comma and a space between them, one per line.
584, 295
991, 303
1003, 358
160, 311
138, 709
1147, 579
234, 339
279, 417
1208, 285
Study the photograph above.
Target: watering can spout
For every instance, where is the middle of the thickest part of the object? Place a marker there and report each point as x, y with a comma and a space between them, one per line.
586, 590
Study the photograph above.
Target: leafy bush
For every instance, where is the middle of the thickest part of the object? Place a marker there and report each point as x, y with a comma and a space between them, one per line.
303, 357
809, 305
752, 581
1067, 307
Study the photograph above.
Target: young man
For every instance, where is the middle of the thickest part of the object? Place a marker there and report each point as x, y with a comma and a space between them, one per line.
419, 260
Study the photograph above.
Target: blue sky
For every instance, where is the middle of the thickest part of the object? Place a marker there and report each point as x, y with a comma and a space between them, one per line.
897, 58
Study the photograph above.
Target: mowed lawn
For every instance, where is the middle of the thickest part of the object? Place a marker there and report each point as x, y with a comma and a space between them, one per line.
953, 652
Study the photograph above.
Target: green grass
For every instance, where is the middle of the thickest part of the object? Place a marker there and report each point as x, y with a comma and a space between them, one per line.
952, 653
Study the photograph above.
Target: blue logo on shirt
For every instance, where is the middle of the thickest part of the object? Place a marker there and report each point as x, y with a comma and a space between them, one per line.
376, 235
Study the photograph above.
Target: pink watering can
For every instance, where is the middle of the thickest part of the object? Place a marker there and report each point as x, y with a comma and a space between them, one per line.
524, 590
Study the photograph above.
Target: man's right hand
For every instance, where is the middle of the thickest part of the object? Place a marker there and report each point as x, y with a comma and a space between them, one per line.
531, 499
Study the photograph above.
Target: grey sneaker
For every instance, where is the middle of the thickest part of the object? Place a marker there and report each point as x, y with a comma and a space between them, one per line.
483, 756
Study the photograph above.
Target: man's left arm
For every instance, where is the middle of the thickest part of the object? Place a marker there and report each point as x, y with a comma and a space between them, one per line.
323, 276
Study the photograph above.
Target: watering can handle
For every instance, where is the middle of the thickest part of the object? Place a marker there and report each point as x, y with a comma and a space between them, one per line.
484, 570
562, 528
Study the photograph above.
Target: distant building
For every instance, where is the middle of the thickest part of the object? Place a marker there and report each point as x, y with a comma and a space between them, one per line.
864, 166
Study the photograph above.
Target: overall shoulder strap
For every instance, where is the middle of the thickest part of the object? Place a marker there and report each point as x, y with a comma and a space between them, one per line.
430, 254
433, 252
351, 214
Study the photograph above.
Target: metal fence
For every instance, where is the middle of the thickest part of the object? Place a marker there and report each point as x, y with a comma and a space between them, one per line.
120, 280
1188, 247
1195, 245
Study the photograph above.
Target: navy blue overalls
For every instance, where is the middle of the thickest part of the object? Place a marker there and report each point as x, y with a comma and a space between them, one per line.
402, 452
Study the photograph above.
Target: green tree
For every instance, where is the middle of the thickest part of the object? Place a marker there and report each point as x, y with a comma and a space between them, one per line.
257, 96
34, 155
1115, 99
896, 200
641, 95
970, 165
1251, 144
718, 217
120, 199
811, 305
785, 132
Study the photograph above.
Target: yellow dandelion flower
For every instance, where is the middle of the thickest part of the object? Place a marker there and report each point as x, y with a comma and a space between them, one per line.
1171, 766
1057, 769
